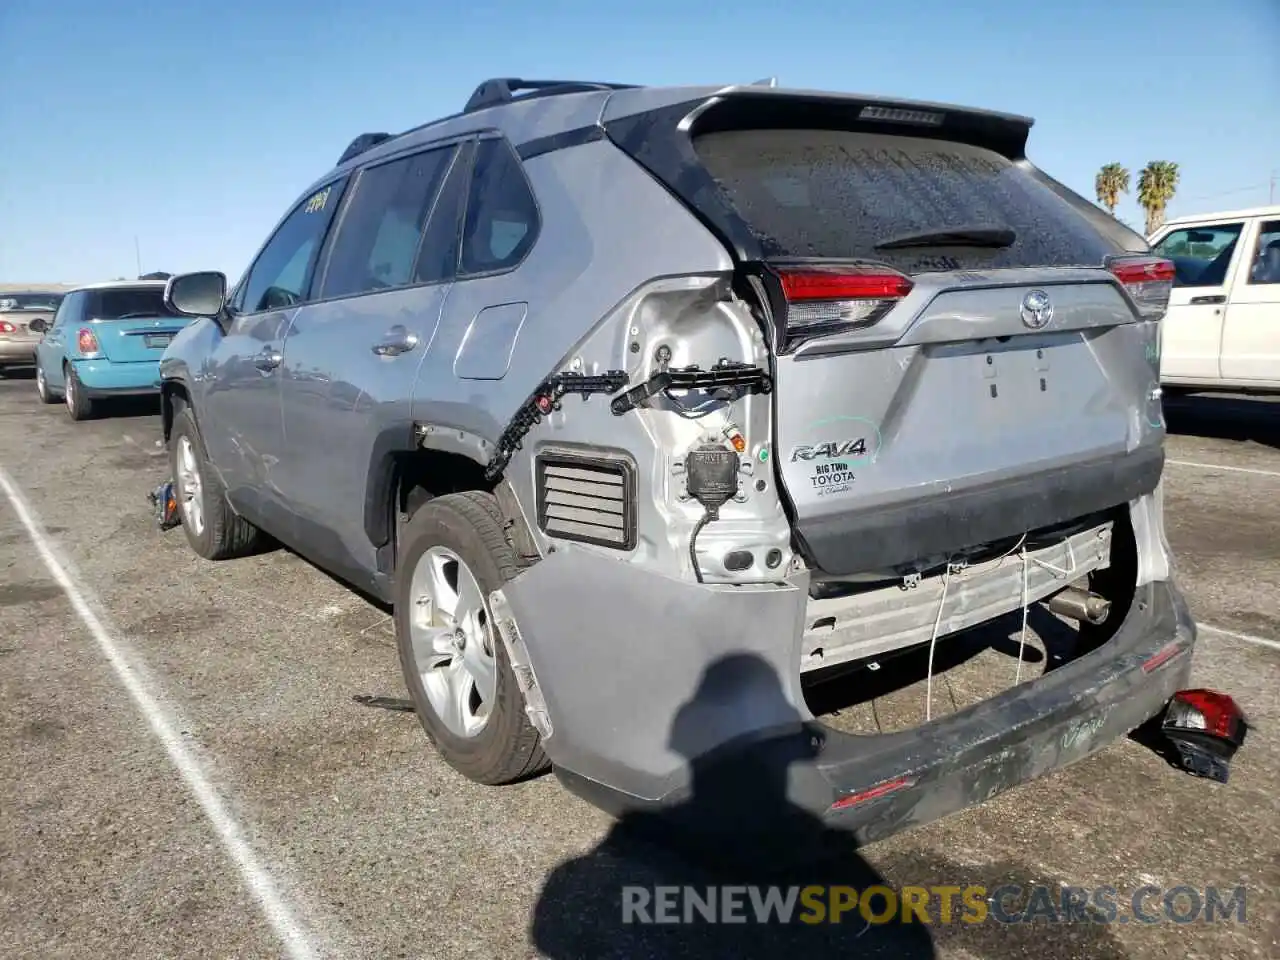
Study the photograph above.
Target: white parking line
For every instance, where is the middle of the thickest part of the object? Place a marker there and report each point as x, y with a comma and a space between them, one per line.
1246, 637
1217, 466
295, 939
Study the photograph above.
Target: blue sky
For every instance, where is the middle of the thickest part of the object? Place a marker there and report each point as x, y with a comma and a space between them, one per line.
193, 126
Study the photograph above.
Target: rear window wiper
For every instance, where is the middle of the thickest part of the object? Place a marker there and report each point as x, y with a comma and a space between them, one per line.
954, 237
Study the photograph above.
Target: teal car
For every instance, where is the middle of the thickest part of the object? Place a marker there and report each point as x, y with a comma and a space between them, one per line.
105, 341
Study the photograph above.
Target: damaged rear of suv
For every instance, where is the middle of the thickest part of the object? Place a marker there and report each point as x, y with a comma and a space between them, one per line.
785, 379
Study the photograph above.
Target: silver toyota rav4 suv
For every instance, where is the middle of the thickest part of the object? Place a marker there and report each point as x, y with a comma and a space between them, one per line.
642, 406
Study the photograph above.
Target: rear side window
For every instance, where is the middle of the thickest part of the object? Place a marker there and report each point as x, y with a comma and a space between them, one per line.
502, 214
377, 241
127, 302
835, 194
1266, 259
1201, 255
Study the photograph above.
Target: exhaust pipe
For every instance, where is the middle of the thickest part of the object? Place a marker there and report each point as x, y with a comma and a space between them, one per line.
1080, 605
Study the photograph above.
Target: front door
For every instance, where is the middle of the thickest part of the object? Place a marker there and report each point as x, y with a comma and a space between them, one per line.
239, 406
1251, 339
1191, 333
351, 358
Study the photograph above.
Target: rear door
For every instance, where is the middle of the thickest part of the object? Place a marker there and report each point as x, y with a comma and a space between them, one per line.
351, 357
1205, 257
1251, 336
977, 372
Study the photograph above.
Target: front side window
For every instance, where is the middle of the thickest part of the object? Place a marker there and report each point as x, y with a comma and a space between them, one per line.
1266, 258
502, 214
1201, 255
279, 277
378, 239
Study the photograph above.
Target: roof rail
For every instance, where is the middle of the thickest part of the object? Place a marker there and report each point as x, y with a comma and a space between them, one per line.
500, 90
366, 141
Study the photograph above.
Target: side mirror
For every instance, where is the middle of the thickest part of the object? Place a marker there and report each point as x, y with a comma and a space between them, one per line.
38, 325
200, 294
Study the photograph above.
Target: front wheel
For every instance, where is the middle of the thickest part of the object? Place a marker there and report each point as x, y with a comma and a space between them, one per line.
213, 529
452, 554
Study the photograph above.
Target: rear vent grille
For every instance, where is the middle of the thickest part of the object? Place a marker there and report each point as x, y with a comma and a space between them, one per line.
588, 499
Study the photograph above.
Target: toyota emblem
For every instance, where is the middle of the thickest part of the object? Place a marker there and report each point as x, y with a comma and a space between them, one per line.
1037, 311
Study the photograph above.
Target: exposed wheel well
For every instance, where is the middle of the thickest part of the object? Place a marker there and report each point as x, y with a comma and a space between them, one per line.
173, 397
422, 475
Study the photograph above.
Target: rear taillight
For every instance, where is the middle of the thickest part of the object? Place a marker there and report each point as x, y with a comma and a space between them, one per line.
1207, 728
7, 327
87, 341
1149, 281
833, 299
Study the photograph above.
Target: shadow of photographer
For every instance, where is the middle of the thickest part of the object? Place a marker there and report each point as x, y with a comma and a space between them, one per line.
736, 828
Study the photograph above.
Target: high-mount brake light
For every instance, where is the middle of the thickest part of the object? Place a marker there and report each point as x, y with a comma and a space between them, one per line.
87, 341
1149, 281
825, 300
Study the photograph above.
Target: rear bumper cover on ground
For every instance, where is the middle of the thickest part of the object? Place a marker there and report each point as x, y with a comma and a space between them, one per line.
648, 682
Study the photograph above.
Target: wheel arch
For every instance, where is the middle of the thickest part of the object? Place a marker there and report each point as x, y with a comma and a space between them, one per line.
409, 468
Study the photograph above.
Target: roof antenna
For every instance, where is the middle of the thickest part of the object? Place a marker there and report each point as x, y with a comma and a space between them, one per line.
766, 82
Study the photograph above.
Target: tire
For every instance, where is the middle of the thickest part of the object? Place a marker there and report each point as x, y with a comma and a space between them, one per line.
213, 529
79, 407
42, 387
469, 528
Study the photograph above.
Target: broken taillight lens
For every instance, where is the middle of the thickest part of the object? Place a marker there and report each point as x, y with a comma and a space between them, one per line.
823, 300
1149, 281
1206, 711
1207, 728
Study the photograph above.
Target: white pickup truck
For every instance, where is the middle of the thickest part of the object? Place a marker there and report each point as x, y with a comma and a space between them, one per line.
1222, 331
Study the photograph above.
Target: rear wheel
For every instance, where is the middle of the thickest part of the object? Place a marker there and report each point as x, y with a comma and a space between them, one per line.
213, 529
79, 407
452, 554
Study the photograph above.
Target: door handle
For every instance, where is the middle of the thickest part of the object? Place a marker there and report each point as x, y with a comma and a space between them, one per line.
1216, 298
396, 341
268, 359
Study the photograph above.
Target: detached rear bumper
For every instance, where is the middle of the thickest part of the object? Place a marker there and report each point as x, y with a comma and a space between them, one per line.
656, 691
917, 776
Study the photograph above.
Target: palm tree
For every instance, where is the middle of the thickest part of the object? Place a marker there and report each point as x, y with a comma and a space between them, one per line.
1112, 180
1157, 184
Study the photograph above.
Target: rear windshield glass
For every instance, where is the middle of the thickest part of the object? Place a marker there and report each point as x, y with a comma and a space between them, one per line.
127, 302
44, 302
837, 194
